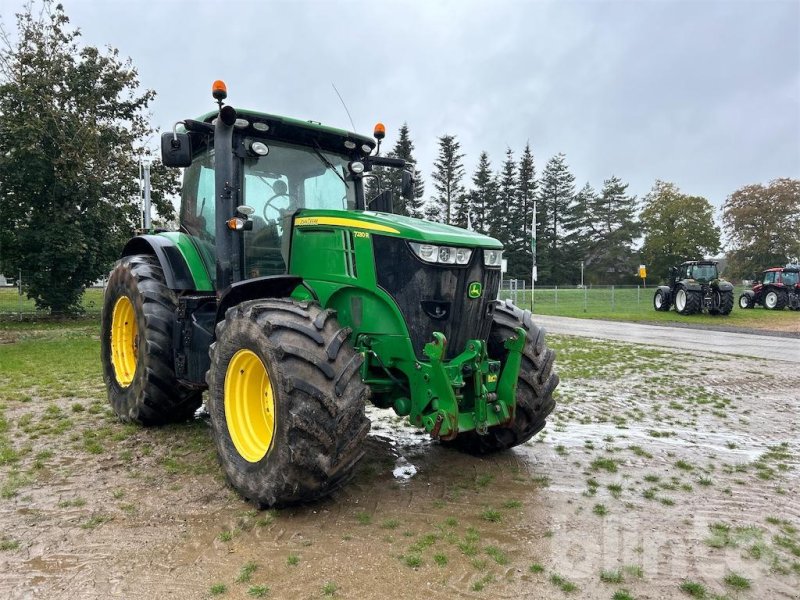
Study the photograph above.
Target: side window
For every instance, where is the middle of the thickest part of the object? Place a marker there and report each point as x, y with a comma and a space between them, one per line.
197, 197
769, 277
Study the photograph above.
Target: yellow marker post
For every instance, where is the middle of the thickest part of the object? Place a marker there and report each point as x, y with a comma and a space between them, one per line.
643, 274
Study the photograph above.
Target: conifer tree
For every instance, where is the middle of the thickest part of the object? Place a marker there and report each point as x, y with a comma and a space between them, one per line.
483, 194
521, 213
447, 181
556, 192
499, 215
392, 178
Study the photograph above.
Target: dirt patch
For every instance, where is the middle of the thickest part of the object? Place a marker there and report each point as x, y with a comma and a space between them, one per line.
655, 472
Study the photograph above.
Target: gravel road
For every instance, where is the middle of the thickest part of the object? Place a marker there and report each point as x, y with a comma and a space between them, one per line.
741, 344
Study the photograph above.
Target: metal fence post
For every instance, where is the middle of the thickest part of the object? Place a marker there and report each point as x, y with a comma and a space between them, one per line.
612, 298
556, 290
638, 295
19, 295
584, 298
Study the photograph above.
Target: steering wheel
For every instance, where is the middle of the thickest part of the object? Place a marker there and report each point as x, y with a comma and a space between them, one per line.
280, 190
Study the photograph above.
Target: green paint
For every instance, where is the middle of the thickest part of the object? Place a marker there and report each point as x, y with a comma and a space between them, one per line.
475, 289
191, 252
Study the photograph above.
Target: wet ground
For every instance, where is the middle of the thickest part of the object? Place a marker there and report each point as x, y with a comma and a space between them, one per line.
659, 471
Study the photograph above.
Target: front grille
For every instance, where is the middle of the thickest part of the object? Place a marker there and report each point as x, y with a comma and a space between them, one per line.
434, 297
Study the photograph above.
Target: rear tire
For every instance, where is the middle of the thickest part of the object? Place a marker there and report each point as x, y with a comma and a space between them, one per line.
686, 302
136, 346
317, 396
535, 386
775, 299
725, 302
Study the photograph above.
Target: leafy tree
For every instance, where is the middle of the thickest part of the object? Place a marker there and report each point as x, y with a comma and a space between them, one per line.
554, 220
72, 124
762, 224
483, 194
447, 181
610, 227
676, 227
391, 179
520, 259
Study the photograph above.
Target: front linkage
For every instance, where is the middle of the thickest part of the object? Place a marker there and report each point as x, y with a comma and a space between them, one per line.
469, 392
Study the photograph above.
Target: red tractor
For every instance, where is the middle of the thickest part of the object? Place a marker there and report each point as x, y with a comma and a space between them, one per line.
779, 287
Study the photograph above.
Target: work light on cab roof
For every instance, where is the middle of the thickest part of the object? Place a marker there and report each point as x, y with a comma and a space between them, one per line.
293, 294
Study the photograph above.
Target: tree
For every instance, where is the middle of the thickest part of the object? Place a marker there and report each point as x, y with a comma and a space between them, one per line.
610, 227
556, 192
520, 260
391, 179
500, 212
71, 130
676, 227
762, 225
447, 181
483, 194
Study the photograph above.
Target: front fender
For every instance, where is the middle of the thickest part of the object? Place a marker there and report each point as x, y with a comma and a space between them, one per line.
176, 270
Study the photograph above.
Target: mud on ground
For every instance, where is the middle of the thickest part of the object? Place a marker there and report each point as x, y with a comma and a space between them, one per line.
660, 475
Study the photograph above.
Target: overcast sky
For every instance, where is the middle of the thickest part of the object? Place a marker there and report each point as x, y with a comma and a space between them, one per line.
704, 94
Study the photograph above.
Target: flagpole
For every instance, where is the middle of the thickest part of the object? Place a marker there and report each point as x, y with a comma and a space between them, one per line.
533, 253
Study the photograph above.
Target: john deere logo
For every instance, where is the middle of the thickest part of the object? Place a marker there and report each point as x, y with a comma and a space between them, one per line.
475, 289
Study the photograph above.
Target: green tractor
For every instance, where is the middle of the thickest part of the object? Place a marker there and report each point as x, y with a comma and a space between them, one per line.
294, 300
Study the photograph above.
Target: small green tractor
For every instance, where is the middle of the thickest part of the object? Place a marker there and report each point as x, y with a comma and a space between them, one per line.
695, 286
294, 300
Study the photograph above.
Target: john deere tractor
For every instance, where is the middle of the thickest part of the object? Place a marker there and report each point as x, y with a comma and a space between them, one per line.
695, 286
294, 300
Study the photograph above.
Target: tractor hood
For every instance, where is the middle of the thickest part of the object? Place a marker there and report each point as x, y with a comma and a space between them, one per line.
417, 230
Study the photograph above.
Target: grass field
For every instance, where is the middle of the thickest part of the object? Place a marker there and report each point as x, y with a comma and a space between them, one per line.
636, 304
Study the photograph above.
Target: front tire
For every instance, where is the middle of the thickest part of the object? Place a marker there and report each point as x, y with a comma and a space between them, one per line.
286, 401
660, 301
746, 301
136, 346
535, 386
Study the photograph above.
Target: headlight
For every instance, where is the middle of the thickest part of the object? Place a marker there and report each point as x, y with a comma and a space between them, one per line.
492, 258
443, 255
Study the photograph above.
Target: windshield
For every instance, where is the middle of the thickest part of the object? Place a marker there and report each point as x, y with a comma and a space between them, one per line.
287, 179
704, 272
294, 177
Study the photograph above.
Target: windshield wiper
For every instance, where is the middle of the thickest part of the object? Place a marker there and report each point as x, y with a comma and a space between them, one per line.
326, 162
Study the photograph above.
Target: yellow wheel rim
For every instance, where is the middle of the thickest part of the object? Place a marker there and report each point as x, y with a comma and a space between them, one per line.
249, 405
124, 341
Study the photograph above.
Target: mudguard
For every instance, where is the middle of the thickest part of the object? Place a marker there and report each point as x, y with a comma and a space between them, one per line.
272, 286
750, 294
666, 291
176, 271
724, 286
691, 286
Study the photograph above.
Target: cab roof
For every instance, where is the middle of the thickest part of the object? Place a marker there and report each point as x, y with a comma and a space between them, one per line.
298, 131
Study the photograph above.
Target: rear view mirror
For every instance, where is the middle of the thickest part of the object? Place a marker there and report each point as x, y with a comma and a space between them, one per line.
176, 149
407, 186
382, 202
